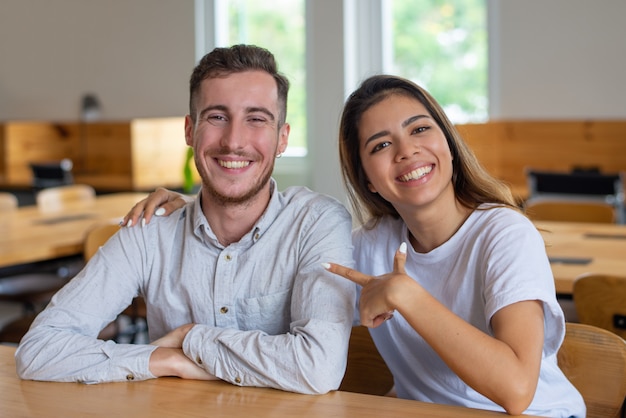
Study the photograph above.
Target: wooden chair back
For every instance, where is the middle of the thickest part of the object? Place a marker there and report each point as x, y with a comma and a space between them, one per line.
8, 201
570, 211
55, 198
366, 372
594, 360
94, 239
600, 300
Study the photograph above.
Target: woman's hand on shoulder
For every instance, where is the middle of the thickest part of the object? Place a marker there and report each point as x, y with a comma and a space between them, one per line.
161, 202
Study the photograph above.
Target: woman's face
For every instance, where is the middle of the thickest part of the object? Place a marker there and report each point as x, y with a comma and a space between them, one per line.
405, 154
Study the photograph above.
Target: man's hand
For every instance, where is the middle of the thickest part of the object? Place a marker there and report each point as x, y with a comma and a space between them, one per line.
175, 338
169, 359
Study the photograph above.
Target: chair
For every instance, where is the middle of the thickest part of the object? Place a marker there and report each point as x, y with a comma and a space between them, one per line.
545, 209
34, 287
52, 174
366, 372
137, 312
8, 201
600, 300
577, 186
55, 198
594, 360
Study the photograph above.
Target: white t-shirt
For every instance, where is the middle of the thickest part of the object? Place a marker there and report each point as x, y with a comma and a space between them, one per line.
495, 259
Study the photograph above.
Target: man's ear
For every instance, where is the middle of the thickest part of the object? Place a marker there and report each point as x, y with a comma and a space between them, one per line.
189, 127
283, 138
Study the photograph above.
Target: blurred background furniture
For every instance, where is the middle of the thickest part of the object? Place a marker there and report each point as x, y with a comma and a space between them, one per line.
55, 198
366, 371
35, 285
8, 201
600, 300
52, 174
594, 360
547, 209
577, 186
134, 329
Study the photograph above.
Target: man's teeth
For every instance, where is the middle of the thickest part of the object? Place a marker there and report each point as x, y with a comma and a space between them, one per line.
417, 173
234, 164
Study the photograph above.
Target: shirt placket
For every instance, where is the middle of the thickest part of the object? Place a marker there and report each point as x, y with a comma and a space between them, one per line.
224, 299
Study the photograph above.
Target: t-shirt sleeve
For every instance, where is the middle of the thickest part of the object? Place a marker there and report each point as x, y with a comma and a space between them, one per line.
517, 269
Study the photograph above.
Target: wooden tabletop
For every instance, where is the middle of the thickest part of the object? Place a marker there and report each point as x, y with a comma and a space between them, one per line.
172, 397
580, 248
30, 235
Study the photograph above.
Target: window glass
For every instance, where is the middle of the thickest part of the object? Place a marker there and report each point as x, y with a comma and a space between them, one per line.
442, 46
279, 26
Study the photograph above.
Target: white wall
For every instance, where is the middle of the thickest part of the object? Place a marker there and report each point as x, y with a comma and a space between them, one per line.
557, 59
136, 55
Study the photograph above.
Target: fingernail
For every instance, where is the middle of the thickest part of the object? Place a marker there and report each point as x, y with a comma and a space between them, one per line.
160, 212
129, 223
326, 265
143, 222
402, 248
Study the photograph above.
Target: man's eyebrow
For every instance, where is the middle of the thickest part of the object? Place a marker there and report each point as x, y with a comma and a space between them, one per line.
404, 125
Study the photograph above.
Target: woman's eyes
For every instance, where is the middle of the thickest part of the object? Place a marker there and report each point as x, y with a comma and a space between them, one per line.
420, 129
385, 144
380, 146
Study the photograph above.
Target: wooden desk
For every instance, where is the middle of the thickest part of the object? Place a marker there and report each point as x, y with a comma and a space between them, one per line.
172, 397
30, 235
580, 248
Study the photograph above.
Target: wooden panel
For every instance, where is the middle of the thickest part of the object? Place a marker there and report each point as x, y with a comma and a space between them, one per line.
484, 140
106, 150
27, 142
158, 152
507, 148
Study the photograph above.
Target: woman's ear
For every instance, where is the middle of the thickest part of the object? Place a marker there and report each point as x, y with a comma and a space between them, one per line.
371, 187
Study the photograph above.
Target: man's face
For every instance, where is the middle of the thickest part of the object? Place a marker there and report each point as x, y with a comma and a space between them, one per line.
236, 136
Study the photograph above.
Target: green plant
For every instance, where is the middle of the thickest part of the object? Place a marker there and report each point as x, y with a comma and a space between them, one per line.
188, 172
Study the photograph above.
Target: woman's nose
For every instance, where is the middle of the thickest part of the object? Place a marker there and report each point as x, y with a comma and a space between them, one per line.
406, 149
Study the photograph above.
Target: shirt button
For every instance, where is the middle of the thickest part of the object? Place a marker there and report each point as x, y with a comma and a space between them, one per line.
224, 309
229, 257
257, 236
130, 377
198, 360
237, 379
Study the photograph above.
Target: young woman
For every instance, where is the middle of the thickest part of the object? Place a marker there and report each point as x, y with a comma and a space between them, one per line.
455, 282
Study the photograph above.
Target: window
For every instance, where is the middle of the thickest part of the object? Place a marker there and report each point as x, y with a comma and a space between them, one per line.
278, 26
442, 46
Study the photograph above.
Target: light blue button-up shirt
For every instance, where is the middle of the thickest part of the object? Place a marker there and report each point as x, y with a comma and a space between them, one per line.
267, 313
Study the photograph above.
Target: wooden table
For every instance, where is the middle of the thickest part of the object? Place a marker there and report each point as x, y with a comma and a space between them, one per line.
580, 248
172, 397
29, 235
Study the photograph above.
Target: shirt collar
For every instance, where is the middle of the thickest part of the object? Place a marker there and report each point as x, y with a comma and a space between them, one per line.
203, 230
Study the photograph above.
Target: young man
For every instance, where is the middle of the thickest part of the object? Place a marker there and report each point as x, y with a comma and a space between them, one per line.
233, 281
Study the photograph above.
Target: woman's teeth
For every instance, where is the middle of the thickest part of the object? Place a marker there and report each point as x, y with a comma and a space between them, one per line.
417, 173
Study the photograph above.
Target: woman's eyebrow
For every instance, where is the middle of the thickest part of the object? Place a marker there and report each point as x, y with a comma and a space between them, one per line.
404, 125
413, 119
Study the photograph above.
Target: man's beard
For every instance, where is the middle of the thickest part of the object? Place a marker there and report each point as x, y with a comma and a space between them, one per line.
241, 200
